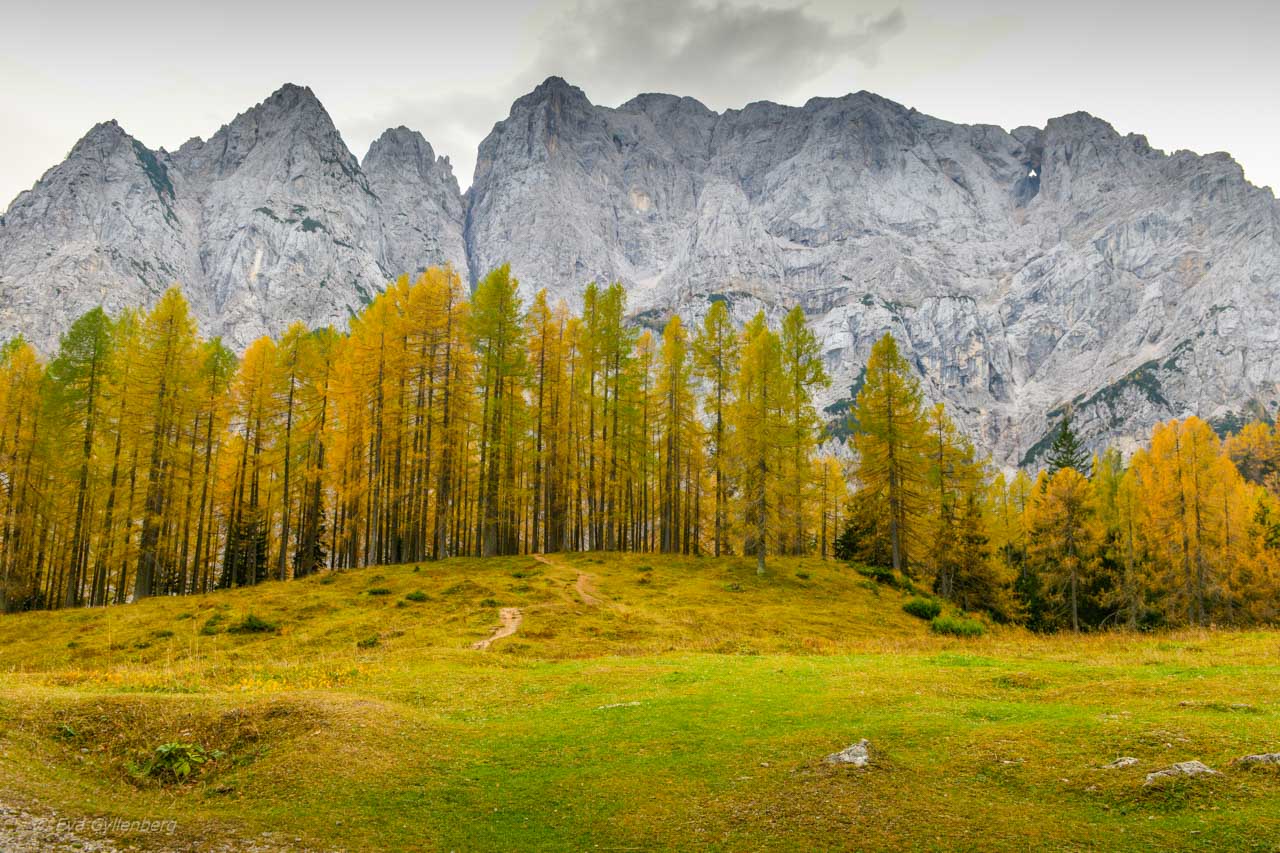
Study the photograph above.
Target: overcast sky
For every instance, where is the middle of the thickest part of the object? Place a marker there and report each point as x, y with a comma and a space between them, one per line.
1203, 76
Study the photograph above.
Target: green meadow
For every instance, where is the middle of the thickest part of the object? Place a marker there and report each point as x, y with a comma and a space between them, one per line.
641, 702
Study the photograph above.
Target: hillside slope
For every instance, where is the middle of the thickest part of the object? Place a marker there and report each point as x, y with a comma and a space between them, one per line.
641, 702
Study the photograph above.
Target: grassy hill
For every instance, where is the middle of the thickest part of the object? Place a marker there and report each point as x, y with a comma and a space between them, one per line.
641, 702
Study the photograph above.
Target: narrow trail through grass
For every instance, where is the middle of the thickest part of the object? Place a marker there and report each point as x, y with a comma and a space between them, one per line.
510, 617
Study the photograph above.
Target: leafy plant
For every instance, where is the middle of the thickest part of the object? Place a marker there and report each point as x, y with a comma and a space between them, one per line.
804, 576
174, 763
367, 643
957, 626
923, 608
416, 595
378, 590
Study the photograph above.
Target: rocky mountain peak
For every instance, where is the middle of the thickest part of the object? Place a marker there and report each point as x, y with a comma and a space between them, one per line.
400, 148
107, 132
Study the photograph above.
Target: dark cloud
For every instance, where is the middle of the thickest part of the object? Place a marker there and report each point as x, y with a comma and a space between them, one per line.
726, 54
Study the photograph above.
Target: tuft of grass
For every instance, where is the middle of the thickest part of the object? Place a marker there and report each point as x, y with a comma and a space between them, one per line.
367, 643
213, 625
378, 590
417, 595
957, 626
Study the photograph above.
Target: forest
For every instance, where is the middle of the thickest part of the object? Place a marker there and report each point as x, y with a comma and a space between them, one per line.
142, 460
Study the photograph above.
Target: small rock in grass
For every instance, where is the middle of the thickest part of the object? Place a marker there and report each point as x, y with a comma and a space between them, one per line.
1182, 768
857, 755
1121, 763
1272, 758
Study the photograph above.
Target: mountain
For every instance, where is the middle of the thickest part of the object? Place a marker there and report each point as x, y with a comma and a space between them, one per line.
271, 220
1024, 271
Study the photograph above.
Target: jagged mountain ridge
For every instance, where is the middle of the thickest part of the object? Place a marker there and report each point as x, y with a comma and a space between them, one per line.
269, 221
1024, 271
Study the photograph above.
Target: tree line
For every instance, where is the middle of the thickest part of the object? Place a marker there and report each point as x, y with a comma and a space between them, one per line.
143, 460
1186, 532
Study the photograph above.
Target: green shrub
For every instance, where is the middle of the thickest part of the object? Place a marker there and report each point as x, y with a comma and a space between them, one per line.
879, 574
488, 602
162, 634
416, 595
957, 626
378, 590
212, 625
367, 643
733, 587
327, 579
252, 624
804, 576
923, 608
644, 568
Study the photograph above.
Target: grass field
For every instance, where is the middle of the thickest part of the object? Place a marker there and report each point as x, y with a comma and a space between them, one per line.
641, 703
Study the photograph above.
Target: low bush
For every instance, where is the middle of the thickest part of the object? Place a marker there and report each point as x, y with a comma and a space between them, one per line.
378, 590
367, 643
923, 608
212, 625
804, 576
416, 595
252, 624
957, 626
879, 574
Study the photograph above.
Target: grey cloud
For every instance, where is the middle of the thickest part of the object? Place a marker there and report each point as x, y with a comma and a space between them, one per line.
725, 54
722, 53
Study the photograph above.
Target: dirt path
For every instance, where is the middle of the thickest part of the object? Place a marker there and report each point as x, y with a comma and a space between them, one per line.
511, 618
586, 590
585, 584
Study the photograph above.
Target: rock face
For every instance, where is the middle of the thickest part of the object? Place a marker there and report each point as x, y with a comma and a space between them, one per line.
1024, 272
269, 221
